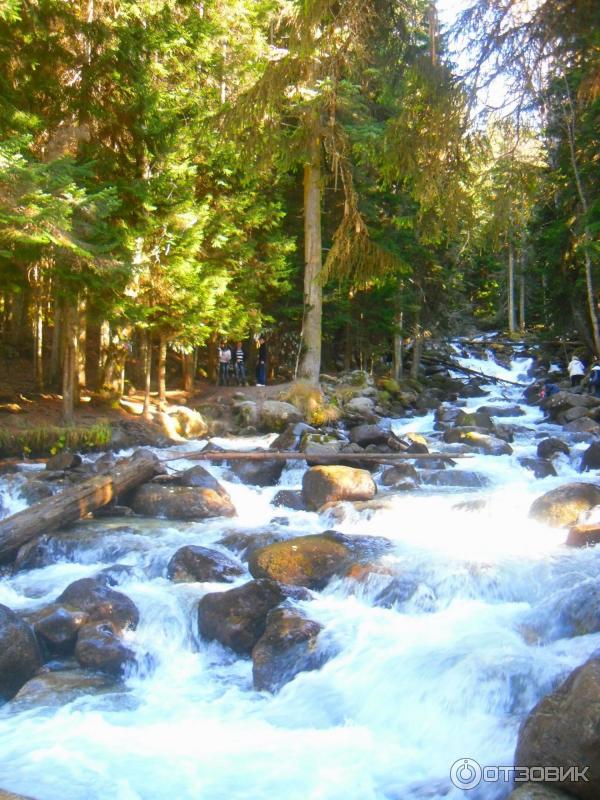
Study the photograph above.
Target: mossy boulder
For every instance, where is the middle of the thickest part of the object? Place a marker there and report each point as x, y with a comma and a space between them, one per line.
326, 484
562, 506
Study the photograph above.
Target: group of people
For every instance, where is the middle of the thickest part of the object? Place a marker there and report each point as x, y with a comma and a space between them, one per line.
232, 363
577, 373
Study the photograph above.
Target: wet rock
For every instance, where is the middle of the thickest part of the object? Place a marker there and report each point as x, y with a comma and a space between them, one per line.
538, 791
63, 461
472, 506
577, 612
584, 535
501, 411
326, 484
246, 543
200, 478
192, 563
562, 506
583, 425
57, 627
180, 502
20, 655
290, 498
291, 437
274, 415
445, 416
571, 414
551, 446
237, 618
10, 796
115, 575
100, 648
288, 646
401, 476
258, 473
453, 478
477, 419
101, 602
32, 491
563, 730
541, 467
364, 435
479, 439
591, 458
398, 591
58, 688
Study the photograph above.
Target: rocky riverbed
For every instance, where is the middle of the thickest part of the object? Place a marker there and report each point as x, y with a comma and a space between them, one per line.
263, 629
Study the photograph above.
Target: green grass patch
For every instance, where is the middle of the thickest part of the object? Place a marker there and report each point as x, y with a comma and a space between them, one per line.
47, 441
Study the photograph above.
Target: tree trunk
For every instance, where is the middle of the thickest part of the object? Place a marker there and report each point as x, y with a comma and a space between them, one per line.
512, 322
587, 237
81, 341
188, 372
417, 348
522, 293
103, 350
56, 352
73, 504
147, 360
162, 369
38, 332
310, 362
70, 361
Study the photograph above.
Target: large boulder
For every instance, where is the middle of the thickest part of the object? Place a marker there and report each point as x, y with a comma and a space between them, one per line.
459, 478
11, 796
237, 618
200, 478
401, 476
552, 446
180, 502
193, 563
186, 423
64, 460
364, 435
20, 656
562, 506
474, 419
288, 646
584, 534
258, 473
563, 730
327, 484
274, 415
244, 544
591, 458
309, 561
100, 602
100, 648
583, 425
360, 408
501, 411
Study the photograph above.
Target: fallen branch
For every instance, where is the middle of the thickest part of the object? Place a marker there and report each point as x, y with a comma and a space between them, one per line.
468, 371
73, 504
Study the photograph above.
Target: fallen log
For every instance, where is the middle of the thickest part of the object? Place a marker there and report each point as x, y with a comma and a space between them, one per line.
468, 371
74, 503
284, 455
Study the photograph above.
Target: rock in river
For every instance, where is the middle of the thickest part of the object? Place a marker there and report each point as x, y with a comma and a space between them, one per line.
20, 655
93, 596
100, 648
180, 502
193, 563
237, 618
288, 646
322, 485
562, 506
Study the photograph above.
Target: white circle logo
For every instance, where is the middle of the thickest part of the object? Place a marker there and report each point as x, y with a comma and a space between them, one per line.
466, 773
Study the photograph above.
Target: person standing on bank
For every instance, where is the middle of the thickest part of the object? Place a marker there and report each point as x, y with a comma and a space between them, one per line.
240, 365
261, 364
224, 361
576, 371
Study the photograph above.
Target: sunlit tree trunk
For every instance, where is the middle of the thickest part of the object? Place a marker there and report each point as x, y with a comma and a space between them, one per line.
187, 363
81, 341
310, 362
147, 362
57, 342
162, 369
69, 361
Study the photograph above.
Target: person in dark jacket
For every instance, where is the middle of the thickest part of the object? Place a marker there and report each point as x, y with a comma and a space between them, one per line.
261, 364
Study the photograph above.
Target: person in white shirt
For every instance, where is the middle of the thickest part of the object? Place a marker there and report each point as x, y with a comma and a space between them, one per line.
224, 361
576, 371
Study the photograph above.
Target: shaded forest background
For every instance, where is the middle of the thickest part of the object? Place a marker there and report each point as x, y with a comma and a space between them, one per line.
175, 173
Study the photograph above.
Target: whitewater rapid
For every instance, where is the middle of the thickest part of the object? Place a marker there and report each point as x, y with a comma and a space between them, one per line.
446, 675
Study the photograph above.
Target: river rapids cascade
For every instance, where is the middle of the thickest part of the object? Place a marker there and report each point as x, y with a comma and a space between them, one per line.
409, 688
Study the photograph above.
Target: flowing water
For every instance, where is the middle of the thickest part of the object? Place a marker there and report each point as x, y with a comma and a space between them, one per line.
447, 675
